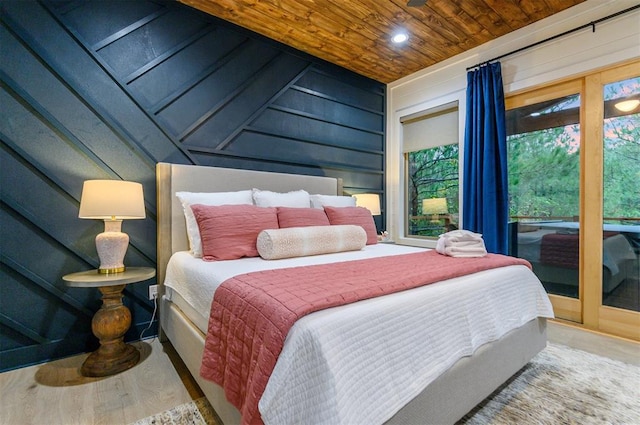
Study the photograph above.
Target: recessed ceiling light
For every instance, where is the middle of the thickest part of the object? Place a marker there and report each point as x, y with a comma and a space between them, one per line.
400, 38
627, 105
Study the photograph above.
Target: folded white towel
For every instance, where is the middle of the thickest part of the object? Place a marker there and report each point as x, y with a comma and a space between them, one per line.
454, 251
461, 236
474, 243
461, 243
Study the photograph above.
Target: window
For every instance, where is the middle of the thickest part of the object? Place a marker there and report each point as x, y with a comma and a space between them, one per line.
431, 152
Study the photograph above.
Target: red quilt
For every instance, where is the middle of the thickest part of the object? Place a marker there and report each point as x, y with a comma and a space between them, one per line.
563, 250
560, 250
251, 314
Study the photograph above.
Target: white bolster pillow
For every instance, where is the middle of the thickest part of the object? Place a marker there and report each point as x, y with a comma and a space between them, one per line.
274, 244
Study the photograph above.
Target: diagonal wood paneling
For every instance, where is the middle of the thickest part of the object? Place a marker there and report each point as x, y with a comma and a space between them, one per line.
108, 89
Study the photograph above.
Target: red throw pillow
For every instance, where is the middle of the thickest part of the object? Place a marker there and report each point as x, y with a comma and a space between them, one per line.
354, 215
229, 232
301, 217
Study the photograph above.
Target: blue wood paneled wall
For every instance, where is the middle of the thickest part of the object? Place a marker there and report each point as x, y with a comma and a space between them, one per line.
105, 90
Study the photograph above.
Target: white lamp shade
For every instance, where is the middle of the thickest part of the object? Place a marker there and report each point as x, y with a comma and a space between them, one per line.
370, 201
111, 199
434, 206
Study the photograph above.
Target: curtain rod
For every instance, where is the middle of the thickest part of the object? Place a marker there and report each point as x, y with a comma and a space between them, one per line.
591, 24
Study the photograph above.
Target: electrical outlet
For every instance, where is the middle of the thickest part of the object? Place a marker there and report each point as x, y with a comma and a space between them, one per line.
153, 291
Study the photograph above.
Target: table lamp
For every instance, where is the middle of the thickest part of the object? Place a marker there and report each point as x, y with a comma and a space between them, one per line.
370, 201
112, 201
434, 206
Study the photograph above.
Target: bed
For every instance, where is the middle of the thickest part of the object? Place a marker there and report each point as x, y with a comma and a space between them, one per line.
456, 384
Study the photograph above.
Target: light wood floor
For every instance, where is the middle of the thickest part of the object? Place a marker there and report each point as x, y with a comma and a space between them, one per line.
621, 349
55, 393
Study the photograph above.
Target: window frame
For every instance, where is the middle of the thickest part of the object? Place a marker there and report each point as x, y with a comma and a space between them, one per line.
397, 218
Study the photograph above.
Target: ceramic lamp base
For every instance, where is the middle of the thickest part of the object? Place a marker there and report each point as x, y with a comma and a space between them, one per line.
112, 245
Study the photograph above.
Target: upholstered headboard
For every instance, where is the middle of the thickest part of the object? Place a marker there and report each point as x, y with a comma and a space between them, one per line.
172, 178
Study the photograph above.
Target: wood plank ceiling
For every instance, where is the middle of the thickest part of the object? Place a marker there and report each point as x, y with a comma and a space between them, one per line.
355, 34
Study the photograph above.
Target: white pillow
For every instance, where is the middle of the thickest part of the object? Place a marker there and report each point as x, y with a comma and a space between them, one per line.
274, 244
321, 201
295, 199
204, 198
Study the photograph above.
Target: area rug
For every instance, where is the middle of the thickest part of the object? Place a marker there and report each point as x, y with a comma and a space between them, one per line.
564, 386
559, 386
196, 412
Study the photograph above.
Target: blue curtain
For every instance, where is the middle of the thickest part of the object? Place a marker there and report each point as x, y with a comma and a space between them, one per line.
485, 186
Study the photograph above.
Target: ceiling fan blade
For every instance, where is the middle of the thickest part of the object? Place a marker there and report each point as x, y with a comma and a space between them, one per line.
416, 3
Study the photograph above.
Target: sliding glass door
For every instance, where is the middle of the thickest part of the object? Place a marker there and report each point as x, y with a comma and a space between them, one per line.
617, 121
621, 211
544, 146
574, 182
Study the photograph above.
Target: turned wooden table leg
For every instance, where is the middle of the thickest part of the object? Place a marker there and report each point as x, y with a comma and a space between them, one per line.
109, 324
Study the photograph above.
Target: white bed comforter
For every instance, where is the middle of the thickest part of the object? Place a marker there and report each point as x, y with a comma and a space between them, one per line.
361, 363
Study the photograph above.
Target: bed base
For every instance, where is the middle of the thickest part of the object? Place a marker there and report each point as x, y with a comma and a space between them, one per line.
446, 400
472, 379
188, 341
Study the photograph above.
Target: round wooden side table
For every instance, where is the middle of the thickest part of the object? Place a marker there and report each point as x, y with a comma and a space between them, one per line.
112, 321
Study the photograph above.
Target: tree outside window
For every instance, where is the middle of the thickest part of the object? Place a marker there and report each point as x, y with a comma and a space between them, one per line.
433, 174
